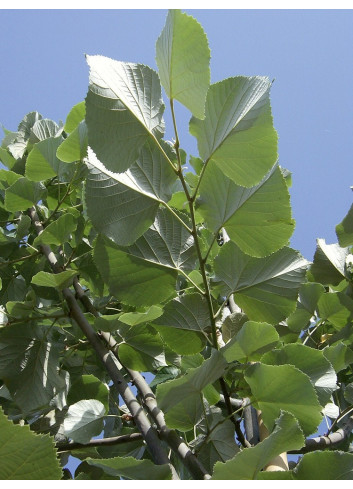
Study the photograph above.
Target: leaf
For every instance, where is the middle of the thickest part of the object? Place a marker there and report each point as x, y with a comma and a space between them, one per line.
175, 391
22, 194
251, 342
309, 294
189, 312
142, 348
75, 116
44, 129
284, 387
183, 58
266, 288
134, 280
232, 325
220, 444
56, 280
88, 387
329, 266
134, 318
257, 219
29, 365
57, 232
333, 465
183, 342
126, 98
108, 323
84, 420
237, 133
246, 464
339, 355
123, 206
336, 308
130, 468
25, 455
42, 162
167, 242
185, 415
74, 147
344, 230
312, 362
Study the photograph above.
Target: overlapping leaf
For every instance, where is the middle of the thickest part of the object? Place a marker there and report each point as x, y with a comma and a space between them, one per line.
183, 57
29, 364
284, 387
266, 288
84, 420
123, 108
237, 133
329, 266
286, 436
312, 362
25, 455
257, 219
130, 468
344, 229
123, 206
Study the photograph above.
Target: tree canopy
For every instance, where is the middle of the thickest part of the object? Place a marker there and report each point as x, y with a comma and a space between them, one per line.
155, 322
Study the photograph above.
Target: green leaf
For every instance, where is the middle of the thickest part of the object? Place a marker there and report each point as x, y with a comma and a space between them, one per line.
237, 133
266, 288
84, 420
220, 445
188, 312
333, 465
284, 387
123, 206
56, 280
88, 387
175, 391
309, 294
336, 308
126, 98
25, 455
232, 325
344, 230
257, 219
339, 355
251, 342
183, 58
44, 129
312, 362
42, 162
75, 116
108, 323
22, 194
286, 436
329, 266
185, 415
184, 342
130, 468
134, 318
135, 281
6, 158
348, 393
23, 226
29, 365
74, 147
142, 348
57, 232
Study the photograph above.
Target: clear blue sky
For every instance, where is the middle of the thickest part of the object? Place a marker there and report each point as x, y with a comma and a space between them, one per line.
308, 52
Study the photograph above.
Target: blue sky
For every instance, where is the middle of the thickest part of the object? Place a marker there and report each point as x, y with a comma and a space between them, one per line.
308, 52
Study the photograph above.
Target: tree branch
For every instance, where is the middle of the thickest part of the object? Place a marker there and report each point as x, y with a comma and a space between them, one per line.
101, 442
329, 441
109, 361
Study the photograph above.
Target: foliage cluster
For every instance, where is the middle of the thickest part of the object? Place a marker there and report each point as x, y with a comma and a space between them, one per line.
120, 255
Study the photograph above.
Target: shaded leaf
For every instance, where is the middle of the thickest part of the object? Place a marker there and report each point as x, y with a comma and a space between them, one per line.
56, 280
329, 266
286, 436
22, 194
25, 455
344, 230
130, 468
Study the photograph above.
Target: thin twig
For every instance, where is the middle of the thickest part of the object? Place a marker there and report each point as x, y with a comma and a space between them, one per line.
101, 442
